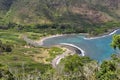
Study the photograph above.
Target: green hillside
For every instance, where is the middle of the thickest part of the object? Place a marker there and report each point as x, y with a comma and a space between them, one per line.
76, 12
23, 23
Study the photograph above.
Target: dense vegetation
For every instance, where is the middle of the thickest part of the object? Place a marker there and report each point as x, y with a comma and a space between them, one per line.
116, 42
72, 67
60, 16
78, 12
27, 62
56, 28
37, 18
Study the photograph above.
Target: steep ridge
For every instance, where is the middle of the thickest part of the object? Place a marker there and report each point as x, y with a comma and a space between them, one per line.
59, 11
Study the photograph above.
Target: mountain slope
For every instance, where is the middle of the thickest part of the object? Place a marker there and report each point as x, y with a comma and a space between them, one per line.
78, 12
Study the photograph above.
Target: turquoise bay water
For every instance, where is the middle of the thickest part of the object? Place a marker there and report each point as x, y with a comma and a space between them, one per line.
98, 49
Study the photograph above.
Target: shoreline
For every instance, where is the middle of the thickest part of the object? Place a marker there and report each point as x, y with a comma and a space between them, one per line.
104, 35
75, 48
58, 58
71, 48
40, 42
87, 36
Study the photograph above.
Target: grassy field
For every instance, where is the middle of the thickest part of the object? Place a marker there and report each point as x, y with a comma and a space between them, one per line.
11, 37
24, 55
34, 36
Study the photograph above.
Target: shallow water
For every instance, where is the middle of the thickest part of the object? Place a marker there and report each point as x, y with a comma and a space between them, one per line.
98, 49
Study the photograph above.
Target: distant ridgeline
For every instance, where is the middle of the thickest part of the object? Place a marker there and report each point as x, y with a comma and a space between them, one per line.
80, 15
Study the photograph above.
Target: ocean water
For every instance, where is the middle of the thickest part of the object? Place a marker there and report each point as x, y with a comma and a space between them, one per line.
98, 48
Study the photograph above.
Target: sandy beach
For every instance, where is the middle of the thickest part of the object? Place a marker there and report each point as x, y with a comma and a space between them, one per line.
110, 32
40, 42
70, 48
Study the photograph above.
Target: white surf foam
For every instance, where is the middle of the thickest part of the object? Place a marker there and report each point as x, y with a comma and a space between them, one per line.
82, 51
102, 36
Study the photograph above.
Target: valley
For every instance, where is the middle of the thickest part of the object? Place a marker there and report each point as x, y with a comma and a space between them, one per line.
59, 40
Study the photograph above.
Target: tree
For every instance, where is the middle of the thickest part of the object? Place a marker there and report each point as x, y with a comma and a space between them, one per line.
107, 71
72, 67
5, 74
75, 63
116, 42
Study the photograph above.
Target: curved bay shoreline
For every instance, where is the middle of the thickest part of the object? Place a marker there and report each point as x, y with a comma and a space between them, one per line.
105, 35
41, 42
70, 47
77, 49
87, 37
